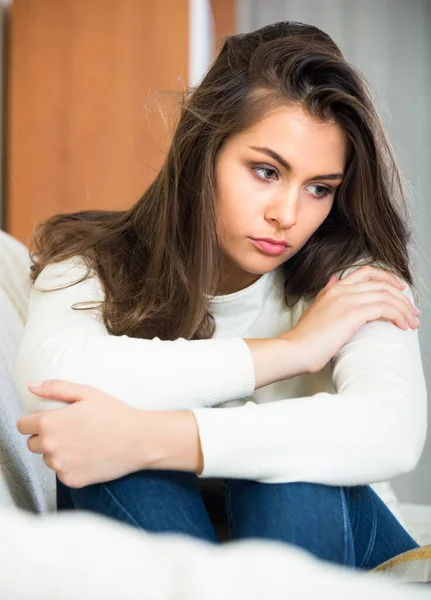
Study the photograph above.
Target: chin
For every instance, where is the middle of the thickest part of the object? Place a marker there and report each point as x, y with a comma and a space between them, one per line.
260, 267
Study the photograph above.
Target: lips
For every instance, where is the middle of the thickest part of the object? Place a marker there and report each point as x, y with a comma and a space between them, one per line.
271, 247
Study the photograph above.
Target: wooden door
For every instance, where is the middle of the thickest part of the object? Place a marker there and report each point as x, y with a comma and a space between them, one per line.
81, 72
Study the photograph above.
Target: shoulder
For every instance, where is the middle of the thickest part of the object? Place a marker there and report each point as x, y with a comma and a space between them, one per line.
64, 273
71, 278
408, 291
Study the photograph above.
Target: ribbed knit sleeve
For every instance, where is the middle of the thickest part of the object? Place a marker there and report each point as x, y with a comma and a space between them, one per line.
372, 429
74, 345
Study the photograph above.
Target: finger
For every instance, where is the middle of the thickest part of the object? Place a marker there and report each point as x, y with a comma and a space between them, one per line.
330, 283
385, 288
394, 310
29, 424
34, 444
376, 312
332, 280
372, 273
389, 308
57, 389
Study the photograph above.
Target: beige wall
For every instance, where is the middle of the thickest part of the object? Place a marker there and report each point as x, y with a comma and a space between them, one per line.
3, 17
80, 74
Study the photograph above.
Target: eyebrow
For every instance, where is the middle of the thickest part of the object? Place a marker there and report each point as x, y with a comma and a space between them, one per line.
285, 164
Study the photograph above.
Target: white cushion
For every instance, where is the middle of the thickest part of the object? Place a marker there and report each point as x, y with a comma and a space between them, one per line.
25, 481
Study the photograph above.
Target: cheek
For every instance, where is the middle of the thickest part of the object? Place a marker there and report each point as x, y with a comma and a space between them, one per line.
236, 204
231, 218
326, 210
316, 216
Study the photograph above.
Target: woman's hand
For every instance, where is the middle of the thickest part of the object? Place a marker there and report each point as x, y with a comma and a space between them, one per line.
93, 439
342, 307
99, 438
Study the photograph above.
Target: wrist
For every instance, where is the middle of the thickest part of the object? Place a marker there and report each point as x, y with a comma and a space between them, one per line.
299, 363
276, 359
170, 441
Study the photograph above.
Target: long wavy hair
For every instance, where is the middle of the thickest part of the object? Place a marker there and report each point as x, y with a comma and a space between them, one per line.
160, 262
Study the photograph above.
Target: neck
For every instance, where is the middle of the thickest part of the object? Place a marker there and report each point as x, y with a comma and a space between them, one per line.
234, 279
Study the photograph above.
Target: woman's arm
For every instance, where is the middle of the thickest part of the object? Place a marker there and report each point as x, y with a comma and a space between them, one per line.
372, 429
74, 345
98, 438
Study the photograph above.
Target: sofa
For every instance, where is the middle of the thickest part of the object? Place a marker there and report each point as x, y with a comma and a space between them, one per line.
25, 481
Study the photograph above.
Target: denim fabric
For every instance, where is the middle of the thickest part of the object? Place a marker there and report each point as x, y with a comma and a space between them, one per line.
348, 526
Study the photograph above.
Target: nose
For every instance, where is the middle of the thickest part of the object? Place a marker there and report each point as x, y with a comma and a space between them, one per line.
284, 209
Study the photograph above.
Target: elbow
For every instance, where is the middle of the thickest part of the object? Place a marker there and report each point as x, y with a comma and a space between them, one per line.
39, 365
403, 428
407, 461
407, 447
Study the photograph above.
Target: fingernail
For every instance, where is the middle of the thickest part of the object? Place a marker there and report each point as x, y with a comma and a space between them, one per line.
35, 384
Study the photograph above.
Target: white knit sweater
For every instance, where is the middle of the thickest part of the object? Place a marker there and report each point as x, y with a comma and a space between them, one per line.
362, 419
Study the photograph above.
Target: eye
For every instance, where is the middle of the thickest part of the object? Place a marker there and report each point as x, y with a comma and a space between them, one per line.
265, 173
320, 191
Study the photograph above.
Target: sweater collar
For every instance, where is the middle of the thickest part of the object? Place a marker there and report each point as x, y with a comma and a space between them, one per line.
247, 299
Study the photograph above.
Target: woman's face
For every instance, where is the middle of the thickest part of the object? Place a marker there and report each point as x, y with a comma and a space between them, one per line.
275, 181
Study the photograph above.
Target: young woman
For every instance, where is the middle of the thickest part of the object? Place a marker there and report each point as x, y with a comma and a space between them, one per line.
253, 312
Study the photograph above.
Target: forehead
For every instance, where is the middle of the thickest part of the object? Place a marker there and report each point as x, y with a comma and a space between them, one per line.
298, 137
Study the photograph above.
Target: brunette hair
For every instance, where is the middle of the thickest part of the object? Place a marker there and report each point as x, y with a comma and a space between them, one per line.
159, 262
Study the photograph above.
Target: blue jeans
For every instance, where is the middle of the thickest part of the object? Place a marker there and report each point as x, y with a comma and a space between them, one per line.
350, 526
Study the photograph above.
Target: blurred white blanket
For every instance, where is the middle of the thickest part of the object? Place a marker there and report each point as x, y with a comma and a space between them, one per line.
75, 555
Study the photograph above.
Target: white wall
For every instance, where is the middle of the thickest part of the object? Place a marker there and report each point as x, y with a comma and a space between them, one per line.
201, 36
390, 41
